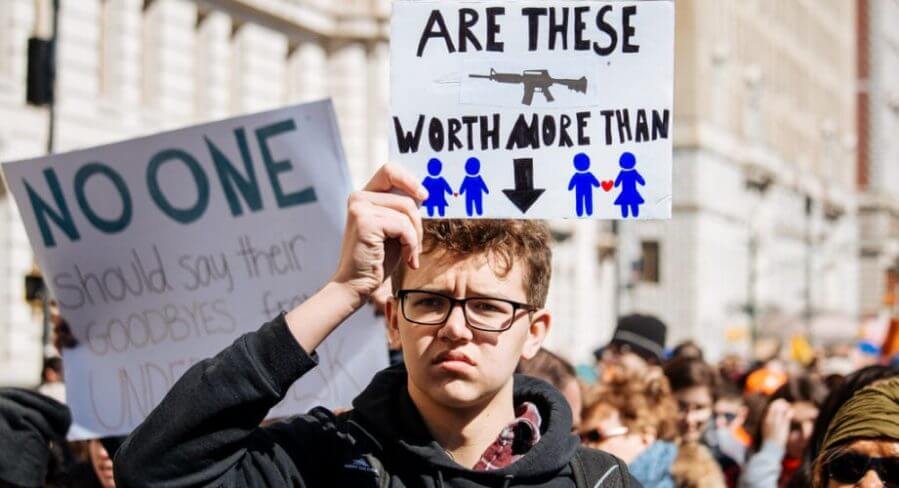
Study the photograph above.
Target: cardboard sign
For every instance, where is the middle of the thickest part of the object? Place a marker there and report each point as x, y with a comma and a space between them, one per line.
162, 250
529, 109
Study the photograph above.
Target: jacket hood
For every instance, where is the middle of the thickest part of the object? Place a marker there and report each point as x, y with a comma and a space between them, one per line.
29, 421
386, 412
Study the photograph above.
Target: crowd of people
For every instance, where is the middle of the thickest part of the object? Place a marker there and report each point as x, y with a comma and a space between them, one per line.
474, 400
678, 420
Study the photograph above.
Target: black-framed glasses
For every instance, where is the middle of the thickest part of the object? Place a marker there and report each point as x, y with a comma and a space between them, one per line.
482, 313
850, 467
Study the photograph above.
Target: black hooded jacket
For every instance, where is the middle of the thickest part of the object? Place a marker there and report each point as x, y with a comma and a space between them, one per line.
206, 431
30, 423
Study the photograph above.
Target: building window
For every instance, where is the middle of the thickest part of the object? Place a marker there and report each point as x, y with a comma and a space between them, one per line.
649, 269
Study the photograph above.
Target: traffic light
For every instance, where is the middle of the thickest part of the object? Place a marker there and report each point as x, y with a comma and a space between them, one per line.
34, 287
39, 83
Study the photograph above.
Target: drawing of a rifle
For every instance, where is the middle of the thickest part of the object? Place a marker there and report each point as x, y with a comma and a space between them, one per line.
535, 79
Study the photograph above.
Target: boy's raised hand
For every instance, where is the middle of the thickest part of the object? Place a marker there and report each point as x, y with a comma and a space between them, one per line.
383, 225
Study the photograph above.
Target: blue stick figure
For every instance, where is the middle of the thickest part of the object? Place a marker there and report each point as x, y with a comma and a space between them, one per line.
472, 186
628, 179
437, 187
582, 183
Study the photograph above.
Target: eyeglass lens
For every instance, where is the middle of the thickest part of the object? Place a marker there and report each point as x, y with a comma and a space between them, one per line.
433, 309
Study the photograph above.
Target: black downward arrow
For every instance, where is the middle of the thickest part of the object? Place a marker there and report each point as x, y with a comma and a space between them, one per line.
524, 194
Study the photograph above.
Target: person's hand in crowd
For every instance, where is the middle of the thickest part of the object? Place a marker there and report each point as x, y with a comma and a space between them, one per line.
776, 425
383, 225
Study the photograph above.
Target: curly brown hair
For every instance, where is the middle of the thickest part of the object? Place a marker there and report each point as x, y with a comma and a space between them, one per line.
506, 241
644, 403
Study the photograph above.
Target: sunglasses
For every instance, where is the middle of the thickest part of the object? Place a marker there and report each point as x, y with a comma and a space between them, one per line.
596, 435
727, 417
851, 467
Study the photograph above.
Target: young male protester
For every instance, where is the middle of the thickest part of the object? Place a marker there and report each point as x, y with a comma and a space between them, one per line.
468, 304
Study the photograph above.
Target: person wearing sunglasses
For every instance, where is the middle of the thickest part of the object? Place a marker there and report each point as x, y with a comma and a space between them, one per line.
634, 417
847, 388
861, 446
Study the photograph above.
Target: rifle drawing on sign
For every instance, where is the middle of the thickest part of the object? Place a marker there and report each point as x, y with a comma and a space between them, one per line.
534, 79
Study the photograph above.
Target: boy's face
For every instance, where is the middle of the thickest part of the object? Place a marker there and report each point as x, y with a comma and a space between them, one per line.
453, 364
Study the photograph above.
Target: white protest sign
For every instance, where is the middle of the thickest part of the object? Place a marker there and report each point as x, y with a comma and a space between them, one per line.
162, 250
535, 109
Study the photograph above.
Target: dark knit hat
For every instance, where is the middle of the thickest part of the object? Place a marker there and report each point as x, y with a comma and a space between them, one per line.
643, 334
29, 421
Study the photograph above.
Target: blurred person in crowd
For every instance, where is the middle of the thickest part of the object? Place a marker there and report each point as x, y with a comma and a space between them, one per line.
96, 471
731, 413
101, 454
837, 397
52, 380
785, 430
861, 444
727, 436
634, 417
687, 349
627, 413
733, 368
468, 305
693, 385
833, 381
63, 338
552, 368
756, 406
32, 439
637, 343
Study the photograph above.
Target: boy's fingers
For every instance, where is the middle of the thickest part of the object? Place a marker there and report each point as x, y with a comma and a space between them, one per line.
397, 225
400, 203
392, 177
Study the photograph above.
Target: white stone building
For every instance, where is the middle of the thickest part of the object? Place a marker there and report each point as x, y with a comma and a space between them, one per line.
764, 120
878, 163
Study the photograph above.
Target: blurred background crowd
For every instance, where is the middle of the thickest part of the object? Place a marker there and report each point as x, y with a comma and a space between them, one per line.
680, 420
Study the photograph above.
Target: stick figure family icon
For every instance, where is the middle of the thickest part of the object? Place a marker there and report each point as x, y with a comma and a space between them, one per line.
472, 187
583, 183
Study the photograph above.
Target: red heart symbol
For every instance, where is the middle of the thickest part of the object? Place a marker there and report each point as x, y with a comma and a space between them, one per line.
607, 185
